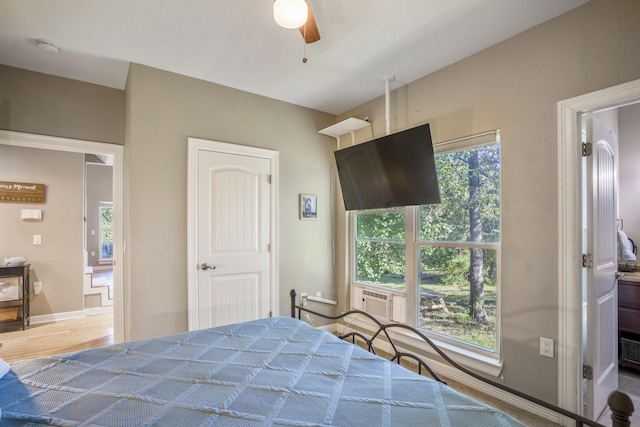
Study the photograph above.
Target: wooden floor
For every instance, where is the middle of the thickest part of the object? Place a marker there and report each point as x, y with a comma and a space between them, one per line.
58, 337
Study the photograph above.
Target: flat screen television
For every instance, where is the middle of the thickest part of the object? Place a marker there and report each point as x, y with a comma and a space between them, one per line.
394, 170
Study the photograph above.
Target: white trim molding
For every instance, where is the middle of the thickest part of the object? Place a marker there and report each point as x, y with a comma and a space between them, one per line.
69, 315
95, 311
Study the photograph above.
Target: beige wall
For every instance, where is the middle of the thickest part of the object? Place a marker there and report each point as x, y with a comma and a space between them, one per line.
57, 262
515, 86
163, 110
48, 105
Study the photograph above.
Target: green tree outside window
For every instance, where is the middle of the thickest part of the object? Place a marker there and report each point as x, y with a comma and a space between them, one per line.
457, 248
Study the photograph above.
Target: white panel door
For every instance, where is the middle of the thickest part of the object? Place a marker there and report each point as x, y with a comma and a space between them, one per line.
233, 238
602, 299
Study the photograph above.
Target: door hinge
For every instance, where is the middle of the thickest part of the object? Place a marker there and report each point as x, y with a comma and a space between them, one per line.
587, 260
269, 247
268, 179
587, 372
587, 149
271, 314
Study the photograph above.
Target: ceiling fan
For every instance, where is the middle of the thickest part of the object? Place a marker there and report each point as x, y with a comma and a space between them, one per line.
297, 14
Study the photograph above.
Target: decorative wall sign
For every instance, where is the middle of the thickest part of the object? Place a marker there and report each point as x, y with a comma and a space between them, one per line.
308, 206
24, 192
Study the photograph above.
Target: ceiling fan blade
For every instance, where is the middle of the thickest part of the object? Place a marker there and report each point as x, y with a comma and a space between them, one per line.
309, 30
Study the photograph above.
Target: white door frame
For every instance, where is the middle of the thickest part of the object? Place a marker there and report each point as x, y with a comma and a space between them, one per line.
43, 142
195, 145
569, 234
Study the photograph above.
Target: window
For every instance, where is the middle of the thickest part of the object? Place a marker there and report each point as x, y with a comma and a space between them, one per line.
446, 255
106, 232
380, 247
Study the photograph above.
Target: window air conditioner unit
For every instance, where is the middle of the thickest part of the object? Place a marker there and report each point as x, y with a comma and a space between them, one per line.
376, 303
384, 305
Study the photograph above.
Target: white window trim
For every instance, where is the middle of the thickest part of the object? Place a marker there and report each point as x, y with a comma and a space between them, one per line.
483, 360
102, 260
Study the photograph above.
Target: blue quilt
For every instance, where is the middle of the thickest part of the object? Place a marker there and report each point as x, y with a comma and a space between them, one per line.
277, 371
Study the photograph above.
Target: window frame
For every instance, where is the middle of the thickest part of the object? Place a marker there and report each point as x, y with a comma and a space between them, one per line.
354, 225
102, 260
481, 358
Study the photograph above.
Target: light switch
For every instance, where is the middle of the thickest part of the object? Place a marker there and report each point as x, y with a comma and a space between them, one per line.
93, 232
37, 239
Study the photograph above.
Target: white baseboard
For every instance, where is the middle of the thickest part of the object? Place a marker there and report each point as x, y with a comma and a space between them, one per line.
94, 311
56, 317
69, 315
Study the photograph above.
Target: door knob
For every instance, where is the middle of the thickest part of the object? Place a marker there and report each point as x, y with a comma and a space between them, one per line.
206, 266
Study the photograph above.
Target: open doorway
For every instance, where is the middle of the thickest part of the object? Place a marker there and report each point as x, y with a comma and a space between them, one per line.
570, 354
47, 144
623, 130
98, 234
599, 247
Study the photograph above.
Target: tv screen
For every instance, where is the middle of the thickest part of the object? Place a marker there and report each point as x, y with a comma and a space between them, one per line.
394, 170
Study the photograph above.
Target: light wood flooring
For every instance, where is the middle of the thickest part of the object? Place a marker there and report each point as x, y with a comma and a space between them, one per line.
94, 331
57, 337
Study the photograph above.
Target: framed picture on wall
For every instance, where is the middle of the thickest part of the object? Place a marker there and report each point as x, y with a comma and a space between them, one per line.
308, 207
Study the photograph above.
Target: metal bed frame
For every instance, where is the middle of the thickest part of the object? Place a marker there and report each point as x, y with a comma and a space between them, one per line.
620, 403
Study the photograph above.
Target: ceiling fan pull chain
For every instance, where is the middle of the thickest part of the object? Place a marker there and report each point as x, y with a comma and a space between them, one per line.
304, 49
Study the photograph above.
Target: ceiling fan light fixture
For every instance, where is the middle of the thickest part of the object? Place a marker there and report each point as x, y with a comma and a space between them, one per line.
290, 13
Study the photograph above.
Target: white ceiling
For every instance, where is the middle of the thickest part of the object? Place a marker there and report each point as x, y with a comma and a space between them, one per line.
236, 43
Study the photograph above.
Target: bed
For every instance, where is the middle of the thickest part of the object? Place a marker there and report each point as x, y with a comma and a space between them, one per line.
276, 371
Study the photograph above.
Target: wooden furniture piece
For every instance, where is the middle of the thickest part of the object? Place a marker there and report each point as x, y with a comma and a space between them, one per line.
21, 305
629, 323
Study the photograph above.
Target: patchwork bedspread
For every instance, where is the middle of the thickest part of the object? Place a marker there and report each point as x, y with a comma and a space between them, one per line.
277, 371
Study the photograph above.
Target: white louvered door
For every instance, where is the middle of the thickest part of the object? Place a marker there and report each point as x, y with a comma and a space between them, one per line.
233, 233
602, 300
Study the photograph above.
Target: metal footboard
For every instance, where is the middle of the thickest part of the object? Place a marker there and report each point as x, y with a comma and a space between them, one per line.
620, 403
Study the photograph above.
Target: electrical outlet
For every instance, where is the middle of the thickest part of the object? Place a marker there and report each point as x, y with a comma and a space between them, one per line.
546, 347
37, 287
318, 294
303, 297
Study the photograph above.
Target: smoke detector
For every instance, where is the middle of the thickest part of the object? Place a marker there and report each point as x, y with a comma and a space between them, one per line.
47, 47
